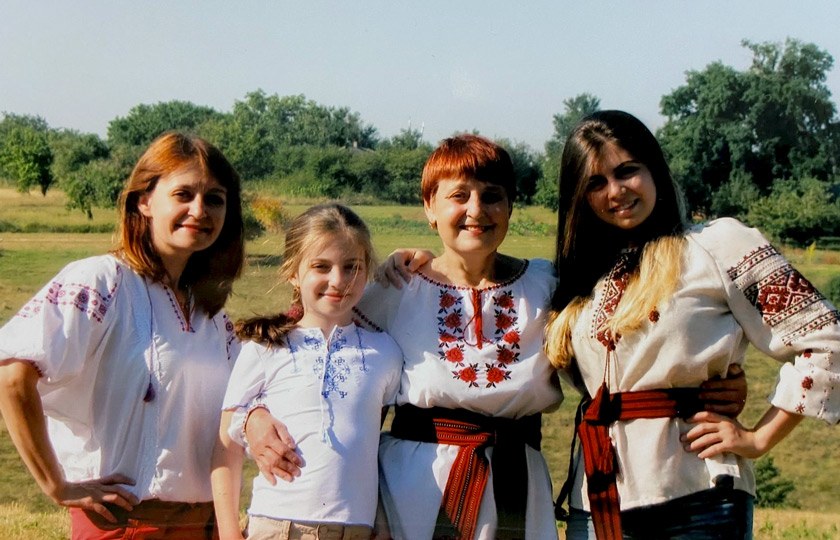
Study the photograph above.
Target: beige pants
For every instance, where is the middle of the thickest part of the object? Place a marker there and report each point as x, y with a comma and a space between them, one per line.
261, 528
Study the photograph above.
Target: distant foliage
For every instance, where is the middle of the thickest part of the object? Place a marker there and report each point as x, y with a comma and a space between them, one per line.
268, 211
575, 109
832, 291
772, 491
799, 212
731, 134
25, 154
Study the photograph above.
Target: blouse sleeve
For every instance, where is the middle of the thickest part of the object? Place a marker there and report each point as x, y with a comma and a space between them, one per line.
60, 328
782, 315
245, 388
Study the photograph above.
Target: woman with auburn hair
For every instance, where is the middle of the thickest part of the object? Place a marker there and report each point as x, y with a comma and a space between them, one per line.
649, 308
112, 376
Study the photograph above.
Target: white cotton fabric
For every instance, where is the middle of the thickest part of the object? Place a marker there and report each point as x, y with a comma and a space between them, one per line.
414, 474
99, 334
329, 393
727, 270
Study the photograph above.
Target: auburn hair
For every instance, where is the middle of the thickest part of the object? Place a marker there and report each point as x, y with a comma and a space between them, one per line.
209, 273
468, 156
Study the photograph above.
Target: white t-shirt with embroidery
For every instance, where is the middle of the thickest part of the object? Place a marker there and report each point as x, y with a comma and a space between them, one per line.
127, 385
439, 328
735, 289
329, 393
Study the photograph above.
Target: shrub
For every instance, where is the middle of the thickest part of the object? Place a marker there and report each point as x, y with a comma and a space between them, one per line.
832, 290
771, 489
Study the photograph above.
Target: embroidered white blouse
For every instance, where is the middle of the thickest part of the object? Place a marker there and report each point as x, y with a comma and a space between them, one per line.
480, 350
127, 385
735, 289
330, 394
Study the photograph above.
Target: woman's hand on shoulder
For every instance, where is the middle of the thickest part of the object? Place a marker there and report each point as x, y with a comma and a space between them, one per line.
93, 494
399, 266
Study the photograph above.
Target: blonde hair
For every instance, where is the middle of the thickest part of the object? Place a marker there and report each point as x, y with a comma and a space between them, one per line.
650, 286
305, 233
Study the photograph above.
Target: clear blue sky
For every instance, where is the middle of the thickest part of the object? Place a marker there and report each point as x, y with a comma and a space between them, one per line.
503, 68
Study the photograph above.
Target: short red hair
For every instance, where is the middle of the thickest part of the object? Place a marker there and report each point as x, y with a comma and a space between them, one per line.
468, 156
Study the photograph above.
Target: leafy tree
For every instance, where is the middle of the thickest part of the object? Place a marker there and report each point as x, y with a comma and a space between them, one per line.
404, 169
25, 157
576, 109
98, 182
798, 211
261, 125
407, 139
526, 166
774, 120
145, 122
72, 150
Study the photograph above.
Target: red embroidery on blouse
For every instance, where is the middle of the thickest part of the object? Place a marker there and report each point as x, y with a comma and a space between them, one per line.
495, 375
654, 316
614, 287
786, 300
453, 330
807, 383
469, 375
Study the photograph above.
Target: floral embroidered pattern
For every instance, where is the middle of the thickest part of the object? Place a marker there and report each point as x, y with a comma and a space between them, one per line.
82, 297
614, 287
786, 300
454, 335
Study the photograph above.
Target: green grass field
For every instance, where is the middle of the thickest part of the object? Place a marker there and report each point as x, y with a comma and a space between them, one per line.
27, 260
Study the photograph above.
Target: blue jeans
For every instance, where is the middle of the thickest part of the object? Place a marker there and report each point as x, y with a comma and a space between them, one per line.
713, 514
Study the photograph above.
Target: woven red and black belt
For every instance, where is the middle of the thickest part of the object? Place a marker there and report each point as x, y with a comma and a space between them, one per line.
474, 432
599, 458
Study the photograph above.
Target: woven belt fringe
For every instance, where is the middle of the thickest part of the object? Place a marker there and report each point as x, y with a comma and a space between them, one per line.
467, 480
599, 459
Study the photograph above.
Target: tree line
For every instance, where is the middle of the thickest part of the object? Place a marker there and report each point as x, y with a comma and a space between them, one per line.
761, 144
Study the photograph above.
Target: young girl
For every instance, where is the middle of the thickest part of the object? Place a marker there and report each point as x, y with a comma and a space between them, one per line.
325, 378
650, 308
112, 373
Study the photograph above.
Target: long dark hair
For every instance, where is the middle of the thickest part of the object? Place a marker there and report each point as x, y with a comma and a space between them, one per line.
586, 246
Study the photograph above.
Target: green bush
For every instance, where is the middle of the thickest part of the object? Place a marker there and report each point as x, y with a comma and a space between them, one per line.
832, 290
771, 489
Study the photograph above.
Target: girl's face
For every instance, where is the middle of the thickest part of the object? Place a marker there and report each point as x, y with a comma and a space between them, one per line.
331, 279
472, 217
620, 190
186, 212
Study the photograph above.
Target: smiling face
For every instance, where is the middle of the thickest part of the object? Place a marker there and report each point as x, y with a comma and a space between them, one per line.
331, 279
186, 212
620, 189
471, 216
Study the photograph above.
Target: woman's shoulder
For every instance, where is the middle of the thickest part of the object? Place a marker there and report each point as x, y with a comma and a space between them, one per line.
96, 268
726, 237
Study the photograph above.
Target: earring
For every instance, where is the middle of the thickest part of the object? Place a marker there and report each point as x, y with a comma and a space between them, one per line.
433, 225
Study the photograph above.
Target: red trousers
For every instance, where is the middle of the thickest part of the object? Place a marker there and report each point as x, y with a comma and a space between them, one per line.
150, 520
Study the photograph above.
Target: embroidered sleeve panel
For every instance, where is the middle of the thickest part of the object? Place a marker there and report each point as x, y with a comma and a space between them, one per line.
81, 287
798, 324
